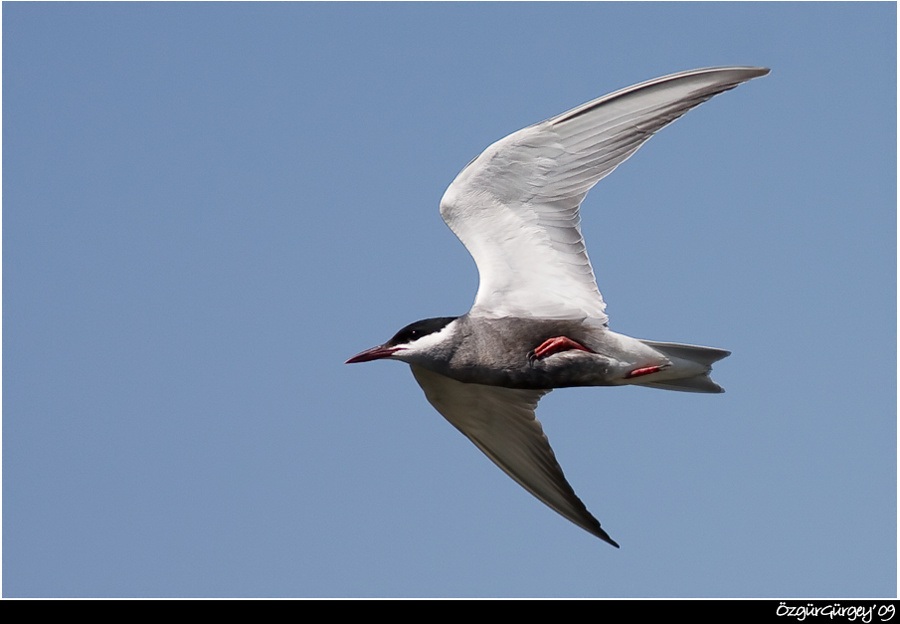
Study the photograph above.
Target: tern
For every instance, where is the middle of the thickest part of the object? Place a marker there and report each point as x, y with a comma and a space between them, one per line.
538, 321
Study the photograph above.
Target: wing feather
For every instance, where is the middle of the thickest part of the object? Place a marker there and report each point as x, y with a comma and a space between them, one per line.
501, 422
516, 206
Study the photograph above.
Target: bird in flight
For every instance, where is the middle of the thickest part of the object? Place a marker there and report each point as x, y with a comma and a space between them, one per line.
539, 321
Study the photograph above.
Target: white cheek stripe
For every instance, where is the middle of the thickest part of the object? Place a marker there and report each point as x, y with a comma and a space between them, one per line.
432, 340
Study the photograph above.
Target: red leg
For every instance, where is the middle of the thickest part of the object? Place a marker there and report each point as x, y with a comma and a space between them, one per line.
555, 345
647, 370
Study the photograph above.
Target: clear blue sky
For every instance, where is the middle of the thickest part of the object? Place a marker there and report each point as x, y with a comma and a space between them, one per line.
208, 207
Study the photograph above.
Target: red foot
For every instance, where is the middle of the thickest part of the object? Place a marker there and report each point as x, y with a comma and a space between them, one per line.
647, 370
555, 345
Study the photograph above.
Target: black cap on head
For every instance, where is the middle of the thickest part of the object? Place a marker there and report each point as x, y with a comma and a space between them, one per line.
416, 330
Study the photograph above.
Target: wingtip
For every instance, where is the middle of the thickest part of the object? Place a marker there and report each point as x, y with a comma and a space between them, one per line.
759, 70
747, 72
605, 537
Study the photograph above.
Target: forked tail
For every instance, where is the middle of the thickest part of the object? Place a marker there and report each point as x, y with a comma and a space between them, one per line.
688, 357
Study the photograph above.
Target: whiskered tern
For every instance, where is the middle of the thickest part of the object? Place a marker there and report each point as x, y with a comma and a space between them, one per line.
539, 321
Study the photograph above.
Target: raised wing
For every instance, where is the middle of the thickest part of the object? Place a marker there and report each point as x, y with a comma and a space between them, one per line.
515, 207
501, 422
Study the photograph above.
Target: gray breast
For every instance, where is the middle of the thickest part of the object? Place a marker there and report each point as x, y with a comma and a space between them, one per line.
496, 352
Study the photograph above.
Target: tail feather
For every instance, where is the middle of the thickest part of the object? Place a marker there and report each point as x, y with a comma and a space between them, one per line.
693, 353
698, 382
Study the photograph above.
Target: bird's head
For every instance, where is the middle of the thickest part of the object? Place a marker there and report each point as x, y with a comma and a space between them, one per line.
422, 340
